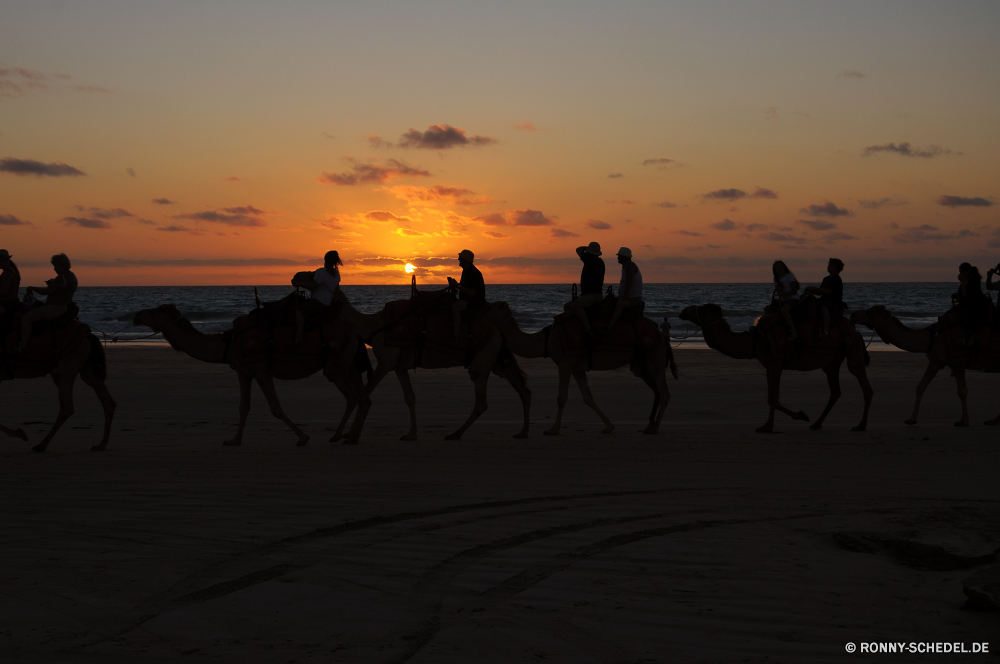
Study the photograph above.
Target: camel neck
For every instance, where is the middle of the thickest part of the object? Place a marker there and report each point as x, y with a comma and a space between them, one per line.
896, 333
738, 345
182, 336
521, 343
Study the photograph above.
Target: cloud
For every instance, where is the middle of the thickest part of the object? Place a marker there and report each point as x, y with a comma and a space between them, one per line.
376, 141
599, 225
16, 81
760, 192
233, 178
851, 73
494, 234
384, 215
147, 222
442, 137
526, 126
175, 229
163, 201
666, 204
438, 193
196, 262
725, 195
615, 176
84, 222
881, 202
689, 233
623, 201
771, 113
659, 161
24, 167
827, 209
103, 213
724, 225
246, 215
905, 150
493, 219
130, 172
92, 88
373, 172
562, 232
817, 224
928, 233
11, 220
838, 237
409, 232
781, 237
961, 201
527, 218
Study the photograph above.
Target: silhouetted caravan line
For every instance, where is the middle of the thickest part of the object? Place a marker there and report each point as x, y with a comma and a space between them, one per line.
412, 333
768, 343
637, 343
256, 354
944, 344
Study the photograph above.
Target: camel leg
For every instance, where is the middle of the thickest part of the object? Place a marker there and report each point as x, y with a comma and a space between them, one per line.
14, 433
588, 398
564, 375
64, 383
266, 383
859, 371
963, 394
773, 402
246, 382
411, 402
364, 405
348, 382
992, 423
929, 373
107, 403
514, 377
480, 378
339, 433
662, 392
833, 381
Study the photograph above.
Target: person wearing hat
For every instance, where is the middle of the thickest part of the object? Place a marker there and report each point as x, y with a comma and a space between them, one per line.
471, 290
10, 281
58, 294
630, 288
591, 283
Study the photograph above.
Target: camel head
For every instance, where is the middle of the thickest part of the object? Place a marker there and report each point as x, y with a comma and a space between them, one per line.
499, 312
156, 319
702, 315
871, 317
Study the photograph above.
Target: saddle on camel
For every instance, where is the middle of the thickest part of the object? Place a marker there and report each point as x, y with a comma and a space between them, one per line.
633, 331
808, 324
63, 347
983, 348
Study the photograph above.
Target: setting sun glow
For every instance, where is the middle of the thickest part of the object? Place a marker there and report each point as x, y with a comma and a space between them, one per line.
409, 268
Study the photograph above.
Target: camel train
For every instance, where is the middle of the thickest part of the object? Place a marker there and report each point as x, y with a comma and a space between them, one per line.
296, 337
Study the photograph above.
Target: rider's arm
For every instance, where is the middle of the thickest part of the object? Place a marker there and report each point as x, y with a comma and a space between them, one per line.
629, 274
580, 251
989, 279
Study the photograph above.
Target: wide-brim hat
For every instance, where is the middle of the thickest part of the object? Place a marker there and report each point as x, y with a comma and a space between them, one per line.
594, 248
625, 251
4, 254
466, 255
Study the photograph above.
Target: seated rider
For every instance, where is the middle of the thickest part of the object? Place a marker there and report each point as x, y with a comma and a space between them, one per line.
10, 281
591, 283
786, 289
323, 284
630, 287
471, 290
970, 300
831, 295
59, 294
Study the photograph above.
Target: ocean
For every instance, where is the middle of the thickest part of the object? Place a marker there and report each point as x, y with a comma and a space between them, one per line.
109, 310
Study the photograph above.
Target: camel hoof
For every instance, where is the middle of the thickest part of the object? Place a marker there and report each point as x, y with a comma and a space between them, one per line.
335, 437
961, 424
765, 429
40, 447
521, 436
860, 427
100, 447
351, 441
551, 432
992, 423
19, 433
816, 427
302, 441
453, 436
910, 422
408, 436
649, 430
233, 443
608, 429
801, 415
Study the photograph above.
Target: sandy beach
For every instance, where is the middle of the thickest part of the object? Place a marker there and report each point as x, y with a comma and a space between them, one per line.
704, 543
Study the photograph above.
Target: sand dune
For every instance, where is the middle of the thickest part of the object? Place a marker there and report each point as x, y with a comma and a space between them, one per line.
705, 543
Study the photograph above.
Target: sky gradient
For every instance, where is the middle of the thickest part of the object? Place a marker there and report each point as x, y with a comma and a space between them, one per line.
236, 142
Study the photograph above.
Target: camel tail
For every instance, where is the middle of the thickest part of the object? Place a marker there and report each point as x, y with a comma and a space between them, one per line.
97, 359
362, 361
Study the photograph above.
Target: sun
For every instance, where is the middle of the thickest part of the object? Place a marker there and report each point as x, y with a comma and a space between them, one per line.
410, 269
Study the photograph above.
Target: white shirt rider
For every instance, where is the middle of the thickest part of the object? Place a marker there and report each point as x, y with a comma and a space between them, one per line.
328, 283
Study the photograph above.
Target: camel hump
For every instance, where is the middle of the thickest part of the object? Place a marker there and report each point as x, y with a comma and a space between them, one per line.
49, 341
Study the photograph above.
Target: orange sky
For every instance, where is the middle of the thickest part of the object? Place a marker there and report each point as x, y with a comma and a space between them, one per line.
181, 143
